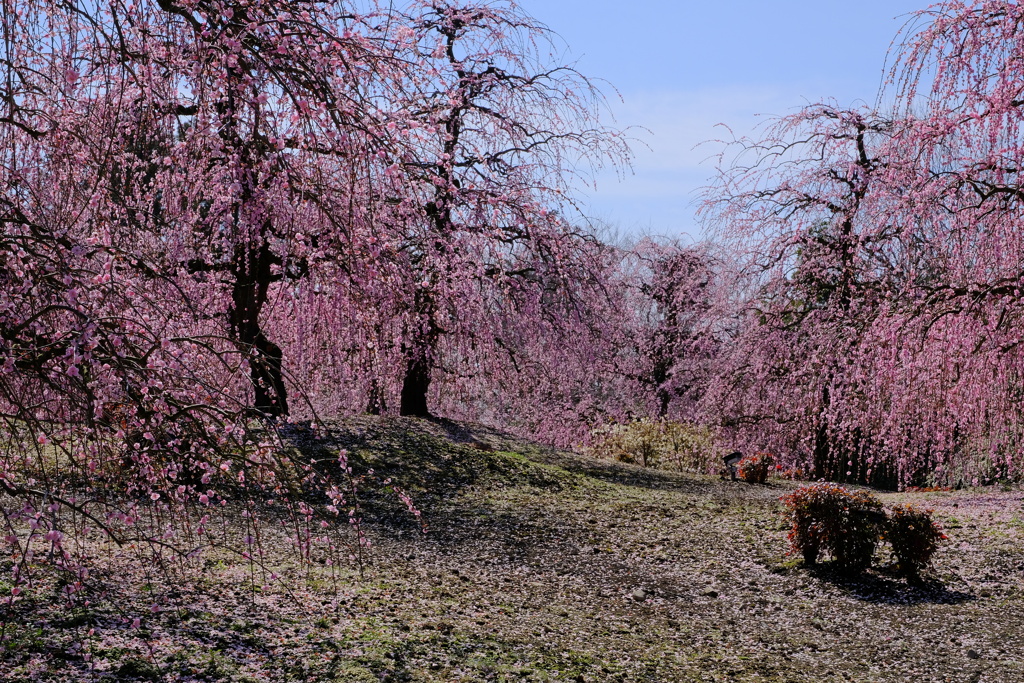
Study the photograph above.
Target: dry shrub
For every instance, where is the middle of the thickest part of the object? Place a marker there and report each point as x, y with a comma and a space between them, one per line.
666, 444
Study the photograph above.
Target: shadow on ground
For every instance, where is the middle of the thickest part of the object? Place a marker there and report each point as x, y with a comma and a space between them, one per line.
878, 588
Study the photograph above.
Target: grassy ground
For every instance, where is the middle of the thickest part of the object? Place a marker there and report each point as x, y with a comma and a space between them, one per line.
552, 567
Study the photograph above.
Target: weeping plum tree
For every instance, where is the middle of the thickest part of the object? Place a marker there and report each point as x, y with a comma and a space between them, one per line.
676, 339
961, 77
473, 229
504, 130
803, 213
881, 336
938, 367
167, 168
244, 131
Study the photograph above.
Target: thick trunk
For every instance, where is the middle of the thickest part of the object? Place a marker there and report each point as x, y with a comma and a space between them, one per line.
821, 453
415, 385
252, 279
658, 376
419, 359
664, 399
271, 396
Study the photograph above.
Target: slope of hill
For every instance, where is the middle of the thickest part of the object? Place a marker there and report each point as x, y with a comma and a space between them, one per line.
547, 566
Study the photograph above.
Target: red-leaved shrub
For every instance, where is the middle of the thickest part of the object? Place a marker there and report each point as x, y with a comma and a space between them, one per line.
754, 469
828, 517
914, 537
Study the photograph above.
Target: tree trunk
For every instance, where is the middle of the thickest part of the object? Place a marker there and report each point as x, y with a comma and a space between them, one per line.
271, 397
416, 384
252, 277
419, 363
376, 400
822, 452
822, 448
664, 398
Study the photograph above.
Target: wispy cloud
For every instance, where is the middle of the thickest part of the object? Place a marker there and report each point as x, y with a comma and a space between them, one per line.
676, 134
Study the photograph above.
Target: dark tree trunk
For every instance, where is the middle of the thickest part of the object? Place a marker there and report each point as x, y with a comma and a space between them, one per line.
271, 396
822, 448
822, 452
252, 275
664, 395
415, 385
251, 268
419, 359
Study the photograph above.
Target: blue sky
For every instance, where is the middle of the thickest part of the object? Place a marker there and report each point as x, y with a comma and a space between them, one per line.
682, 67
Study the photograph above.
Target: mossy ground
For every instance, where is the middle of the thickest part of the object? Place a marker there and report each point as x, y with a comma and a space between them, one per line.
545, 566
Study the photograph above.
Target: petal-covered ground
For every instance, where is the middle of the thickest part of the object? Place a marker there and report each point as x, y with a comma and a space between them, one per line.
548, 566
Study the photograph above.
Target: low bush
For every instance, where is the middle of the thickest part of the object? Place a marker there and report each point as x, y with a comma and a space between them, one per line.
914, 538
828, 517
656, 443
754, 469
